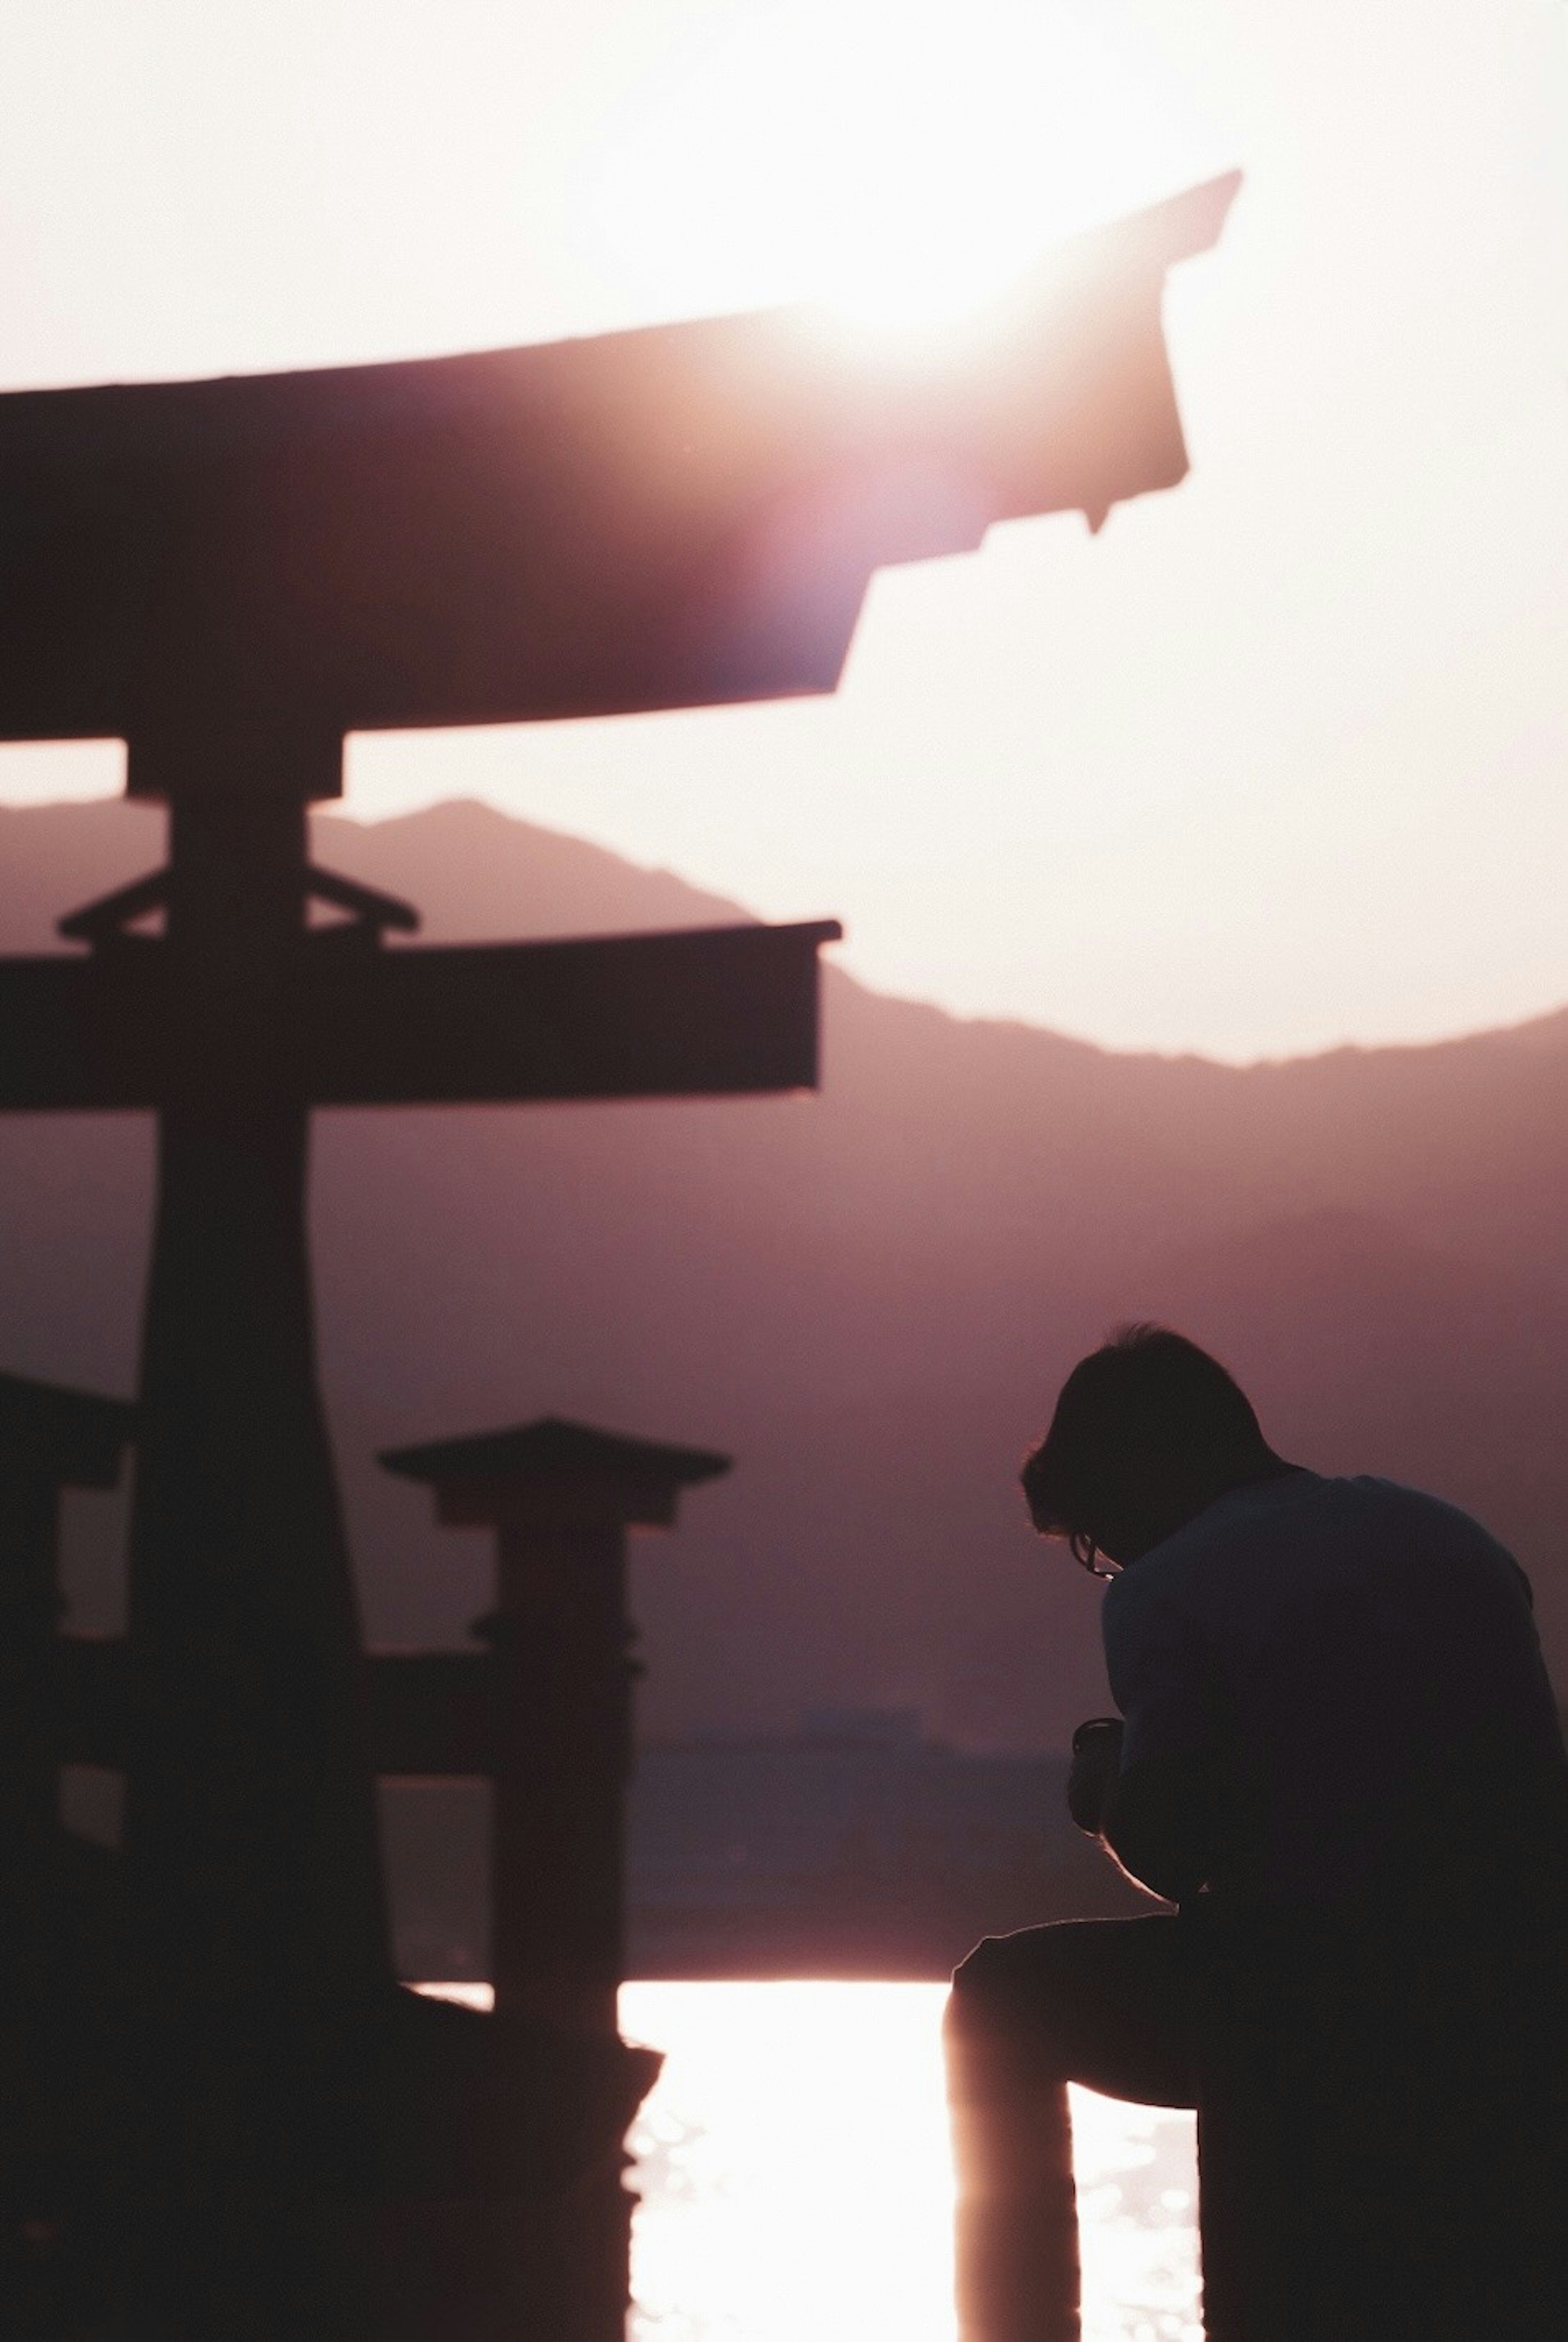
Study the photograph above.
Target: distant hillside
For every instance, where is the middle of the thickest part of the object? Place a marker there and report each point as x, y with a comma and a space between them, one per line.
869, 1297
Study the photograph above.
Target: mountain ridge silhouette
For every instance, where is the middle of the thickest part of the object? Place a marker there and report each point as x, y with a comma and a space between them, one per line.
869, 1297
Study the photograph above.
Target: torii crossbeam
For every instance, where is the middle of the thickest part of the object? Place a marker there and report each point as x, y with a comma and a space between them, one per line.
232, 575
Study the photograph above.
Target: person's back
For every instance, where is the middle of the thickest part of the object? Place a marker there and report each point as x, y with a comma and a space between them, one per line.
1364, 1660
1384, 1915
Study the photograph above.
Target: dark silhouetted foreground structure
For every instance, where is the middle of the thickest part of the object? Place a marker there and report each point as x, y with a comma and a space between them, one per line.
232, 575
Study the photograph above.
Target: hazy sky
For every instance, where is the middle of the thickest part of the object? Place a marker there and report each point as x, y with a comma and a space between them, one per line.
1277, 760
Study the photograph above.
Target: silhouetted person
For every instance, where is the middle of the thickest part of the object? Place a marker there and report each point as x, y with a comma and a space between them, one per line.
1339, 1757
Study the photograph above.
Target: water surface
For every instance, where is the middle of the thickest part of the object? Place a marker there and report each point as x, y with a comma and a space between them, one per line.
794, 2173
794, 2181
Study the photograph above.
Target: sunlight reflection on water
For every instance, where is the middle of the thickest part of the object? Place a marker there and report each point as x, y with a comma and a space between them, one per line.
791, 2166
794, 2182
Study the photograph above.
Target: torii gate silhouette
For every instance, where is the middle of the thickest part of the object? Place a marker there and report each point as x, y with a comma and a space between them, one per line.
233, 574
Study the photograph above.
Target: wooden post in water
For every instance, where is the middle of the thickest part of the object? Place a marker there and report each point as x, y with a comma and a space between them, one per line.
561, 1498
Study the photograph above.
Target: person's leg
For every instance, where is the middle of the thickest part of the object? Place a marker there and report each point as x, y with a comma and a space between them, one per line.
1103, 2003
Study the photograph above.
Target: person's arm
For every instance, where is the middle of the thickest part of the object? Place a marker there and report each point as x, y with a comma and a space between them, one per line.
1096, 1761
1161, 1820
1160, 1824
1156, 1821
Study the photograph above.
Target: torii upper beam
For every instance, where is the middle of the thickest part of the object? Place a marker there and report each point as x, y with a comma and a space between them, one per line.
668, 518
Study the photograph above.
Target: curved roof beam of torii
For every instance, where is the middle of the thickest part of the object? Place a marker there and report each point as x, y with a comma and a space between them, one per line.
673, 517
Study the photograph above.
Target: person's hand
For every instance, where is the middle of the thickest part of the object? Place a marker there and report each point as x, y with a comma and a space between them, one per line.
1096, 1761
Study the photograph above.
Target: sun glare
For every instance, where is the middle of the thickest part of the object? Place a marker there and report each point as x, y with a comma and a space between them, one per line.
901, 163
794, 2177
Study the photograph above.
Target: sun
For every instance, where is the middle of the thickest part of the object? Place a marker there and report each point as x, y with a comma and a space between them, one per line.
902, 162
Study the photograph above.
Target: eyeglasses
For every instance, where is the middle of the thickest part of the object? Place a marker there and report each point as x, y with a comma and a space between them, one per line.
1087, 1553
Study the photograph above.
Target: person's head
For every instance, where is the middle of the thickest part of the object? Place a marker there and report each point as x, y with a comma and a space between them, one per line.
1147, 1432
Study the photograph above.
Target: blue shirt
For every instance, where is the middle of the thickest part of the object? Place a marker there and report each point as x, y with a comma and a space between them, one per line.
1351, 1652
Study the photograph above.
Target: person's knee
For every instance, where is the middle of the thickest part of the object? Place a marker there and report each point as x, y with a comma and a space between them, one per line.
996, 1992
1001, 2037
979, 1982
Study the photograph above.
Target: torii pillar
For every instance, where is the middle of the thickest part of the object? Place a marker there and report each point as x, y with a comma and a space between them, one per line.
561, 1498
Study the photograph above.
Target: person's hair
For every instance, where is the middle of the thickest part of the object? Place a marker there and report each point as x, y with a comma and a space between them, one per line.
1149, 1403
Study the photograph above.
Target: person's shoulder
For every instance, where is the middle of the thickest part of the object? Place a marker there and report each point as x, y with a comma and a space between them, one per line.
1418, 1509
1431, 1530
1293, 1516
